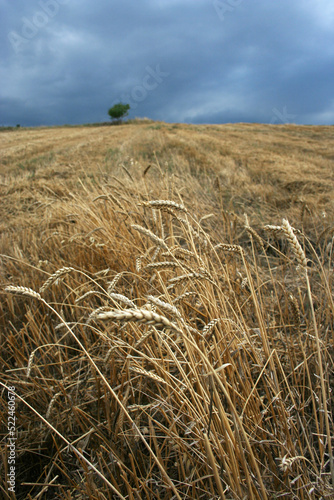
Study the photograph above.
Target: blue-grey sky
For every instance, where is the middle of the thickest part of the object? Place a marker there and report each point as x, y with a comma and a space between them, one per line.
194, 61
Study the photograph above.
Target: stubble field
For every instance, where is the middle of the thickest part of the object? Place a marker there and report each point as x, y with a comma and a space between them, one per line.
167, 311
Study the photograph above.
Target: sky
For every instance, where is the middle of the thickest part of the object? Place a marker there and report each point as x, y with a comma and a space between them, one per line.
188, 61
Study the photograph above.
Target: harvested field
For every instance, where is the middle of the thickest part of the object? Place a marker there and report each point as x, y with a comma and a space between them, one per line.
167, 311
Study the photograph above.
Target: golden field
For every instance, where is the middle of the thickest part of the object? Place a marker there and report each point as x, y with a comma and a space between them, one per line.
167, 311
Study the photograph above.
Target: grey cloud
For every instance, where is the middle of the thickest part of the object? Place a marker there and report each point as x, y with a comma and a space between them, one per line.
261, 56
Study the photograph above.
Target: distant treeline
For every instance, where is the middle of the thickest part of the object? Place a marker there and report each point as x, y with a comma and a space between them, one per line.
98, 124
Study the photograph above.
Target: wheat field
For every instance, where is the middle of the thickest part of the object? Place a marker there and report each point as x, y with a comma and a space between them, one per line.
167, 311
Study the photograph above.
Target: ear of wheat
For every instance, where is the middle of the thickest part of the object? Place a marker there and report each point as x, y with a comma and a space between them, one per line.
184, 296
184, 277
165, 205
159, 241
230, 248
22, 290
149, 374
114, 282
87, 294
164, 305
122, 298
295, 245
209, 327
295, 311
136, 315
273, 229
54, 277
255, 235
160, 266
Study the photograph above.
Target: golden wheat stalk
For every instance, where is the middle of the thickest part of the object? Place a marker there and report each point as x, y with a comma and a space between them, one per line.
127, 172
136, 407
255, 235
205, 273
32, 355
149, 374
156, 253
229, 248
212, 462
184, 296
143, 338
184, 277
51, 404
95, 230
164, 205
279, 229
23, 290
159, 241
295, 311
54, 277
30, 361
122, 298
120, 420
160, 266
116, 200
273, 229
103, 272
146, 170
87, 294
164, 305
114, 282
97, 311
209, 327
138, 316
138, 264
295, 245
180, 253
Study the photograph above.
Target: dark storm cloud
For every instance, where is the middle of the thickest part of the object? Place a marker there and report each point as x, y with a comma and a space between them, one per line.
204, 61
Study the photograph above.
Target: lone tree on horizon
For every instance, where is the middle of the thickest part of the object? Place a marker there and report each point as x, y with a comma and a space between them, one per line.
119, 111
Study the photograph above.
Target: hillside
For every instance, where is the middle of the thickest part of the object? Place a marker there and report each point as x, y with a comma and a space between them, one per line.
272, 171
167, 310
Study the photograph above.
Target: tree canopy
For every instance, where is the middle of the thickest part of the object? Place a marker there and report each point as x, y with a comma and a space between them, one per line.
119, 111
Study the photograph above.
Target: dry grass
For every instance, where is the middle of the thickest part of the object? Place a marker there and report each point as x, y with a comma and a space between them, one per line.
161, 343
